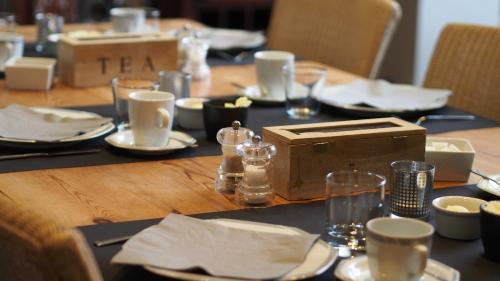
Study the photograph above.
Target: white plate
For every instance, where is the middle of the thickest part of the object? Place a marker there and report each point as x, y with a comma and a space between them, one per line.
68, 113
367, 111
125, 140
225, 39
253, 93
356, 269
489, 186
320, 257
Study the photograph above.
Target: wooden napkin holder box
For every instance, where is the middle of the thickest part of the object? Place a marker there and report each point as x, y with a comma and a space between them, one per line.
307, 153
95, 61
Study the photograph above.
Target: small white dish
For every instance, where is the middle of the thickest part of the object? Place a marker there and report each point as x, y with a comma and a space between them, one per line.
356, 269
190, 112
39, 70
489, 186
320, 257
452, 223
450, 165
253, 93
125, 140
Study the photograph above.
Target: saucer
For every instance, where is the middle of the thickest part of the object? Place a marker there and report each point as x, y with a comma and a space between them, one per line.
489, 186
253, 93
125, 140
356, 269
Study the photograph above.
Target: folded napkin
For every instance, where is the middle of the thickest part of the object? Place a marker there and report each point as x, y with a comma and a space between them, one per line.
182, 243
20, 122
383, 95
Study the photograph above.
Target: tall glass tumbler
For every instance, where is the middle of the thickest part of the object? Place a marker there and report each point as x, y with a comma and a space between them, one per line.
352, 199
7, 22
122, 87
302, 84
411, 191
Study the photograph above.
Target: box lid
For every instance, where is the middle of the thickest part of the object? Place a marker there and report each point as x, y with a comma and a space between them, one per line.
341, 130
115, 38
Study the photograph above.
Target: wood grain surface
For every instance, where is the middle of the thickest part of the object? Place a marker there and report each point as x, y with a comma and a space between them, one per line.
151, 189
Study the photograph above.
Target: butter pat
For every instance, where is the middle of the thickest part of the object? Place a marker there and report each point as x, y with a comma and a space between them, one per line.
240, 102
493, 207
442, 146
457, 208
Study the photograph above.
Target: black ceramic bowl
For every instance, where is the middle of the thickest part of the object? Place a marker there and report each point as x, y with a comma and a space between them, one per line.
490, 227
216, 116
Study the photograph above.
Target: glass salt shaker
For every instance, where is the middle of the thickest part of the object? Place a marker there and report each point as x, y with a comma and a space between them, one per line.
230, 172
196, 58
255, 190
184, 36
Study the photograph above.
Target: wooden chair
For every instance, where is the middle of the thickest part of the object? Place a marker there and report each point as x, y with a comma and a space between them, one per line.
466, 60
36, 249
352, 35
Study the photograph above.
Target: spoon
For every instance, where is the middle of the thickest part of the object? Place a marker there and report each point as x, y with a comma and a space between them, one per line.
422, 119
484, 176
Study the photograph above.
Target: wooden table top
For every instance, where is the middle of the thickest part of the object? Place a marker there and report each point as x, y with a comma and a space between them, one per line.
151, 189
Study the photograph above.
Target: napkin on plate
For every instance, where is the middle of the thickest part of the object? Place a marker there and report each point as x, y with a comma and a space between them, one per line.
181, 243
383, 95
21, 122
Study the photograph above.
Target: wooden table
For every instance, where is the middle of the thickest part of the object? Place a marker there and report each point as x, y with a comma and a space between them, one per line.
133, 191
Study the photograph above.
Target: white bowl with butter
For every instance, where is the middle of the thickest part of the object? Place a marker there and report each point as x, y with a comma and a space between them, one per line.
190, 112
457, 217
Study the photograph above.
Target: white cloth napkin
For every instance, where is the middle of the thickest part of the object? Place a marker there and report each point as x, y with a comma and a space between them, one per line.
223, 39
181, 243
383, 95
20, 122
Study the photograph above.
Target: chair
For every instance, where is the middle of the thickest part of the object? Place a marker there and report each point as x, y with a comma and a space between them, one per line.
36, 249
466, 60
352, 35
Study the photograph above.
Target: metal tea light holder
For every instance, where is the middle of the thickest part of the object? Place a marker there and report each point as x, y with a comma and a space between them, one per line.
230, 171
254, 189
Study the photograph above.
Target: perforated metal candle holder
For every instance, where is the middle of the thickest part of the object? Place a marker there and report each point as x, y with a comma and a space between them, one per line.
411, 191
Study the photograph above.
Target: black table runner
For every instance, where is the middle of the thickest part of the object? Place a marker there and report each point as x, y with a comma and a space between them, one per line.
258, 117
465, 256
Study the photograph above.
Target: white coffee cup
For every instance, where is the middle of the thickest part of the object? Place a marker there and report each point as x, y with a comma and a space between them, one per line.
11, 46
128, 19
151, 114
398, 249
269, 66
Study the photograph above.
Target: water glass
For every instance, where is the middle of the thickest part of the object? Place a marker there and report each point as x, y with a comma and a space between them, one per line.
352, 199
176, 82
411, 191
152, 19
7, 22
302, 84
47, 24
121, 88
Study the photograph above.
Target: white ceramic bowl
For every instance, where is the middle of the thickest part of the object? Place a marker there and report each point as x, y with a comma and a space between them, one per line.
190, 112
451, 165
455, 224
29, 73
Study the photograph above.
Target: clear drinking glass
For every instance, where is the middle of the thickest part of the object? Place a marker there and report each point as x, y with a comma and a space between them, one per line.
122, 87
411, 191
352, 199
302, 84
152, 19
7, 22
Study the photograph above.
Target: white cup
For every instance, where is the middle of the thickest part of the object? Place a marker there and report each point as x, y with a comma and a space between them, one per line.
128, 19
269, 66
398, 249
151, 114
11, 46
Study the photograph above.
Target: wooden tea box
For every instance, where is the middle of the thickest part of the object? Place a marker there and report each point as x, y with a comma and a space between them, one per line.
306, 153
95, 61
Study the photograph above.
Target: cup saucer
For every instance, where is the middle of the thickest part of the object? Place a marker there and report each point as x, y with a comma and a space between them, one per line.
356, 269
125, 140
253, 93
